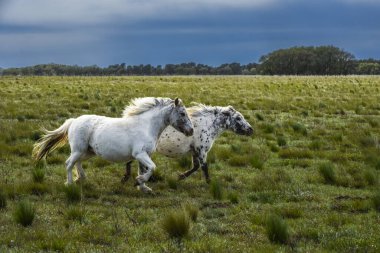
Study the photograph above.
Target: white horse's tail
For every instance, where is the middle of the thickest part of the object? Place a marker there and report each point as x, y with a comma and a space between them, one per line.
51, 140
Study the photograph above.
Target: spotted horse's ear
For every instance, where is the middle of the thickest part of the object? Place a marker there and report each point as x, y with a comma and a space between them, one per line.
177, 101
227, 111
231, 108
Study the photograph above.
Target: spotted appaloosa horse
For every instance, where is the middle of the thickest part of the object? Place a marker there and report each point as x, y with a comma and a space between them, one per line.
133, 136
209, 122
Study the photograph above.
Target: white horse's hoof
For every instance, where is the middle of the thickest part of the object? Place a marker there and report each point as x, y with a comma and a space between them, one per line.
79, 180
139, 180
145, 189
67, 183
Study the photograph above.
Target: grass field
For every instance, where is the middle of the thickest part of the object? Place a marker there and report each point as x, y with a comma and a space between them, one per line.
308, 180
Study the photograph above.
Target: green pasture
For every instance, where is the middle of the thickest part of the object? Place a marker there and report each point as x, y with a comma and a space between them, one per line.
306, 181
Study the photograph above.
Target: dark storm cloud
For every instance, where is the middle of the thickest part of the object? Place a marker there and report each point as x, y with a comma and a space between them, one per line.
157, 33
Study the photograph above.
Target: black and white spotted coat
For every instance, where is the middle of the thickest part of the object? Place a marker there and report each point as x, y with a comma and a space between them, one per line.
208, 123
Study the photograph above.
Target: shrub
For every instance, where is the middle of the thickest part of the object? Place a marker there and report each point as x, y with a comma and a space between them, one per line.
3, 199
192, 211
38, 175
176, 224
376, 201
73, 193
24, 213
277, 229
216, 189
327, 171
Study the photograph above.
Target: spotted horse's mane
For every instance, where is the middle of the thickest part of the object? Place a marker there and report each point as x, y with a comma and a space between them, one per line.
199, 110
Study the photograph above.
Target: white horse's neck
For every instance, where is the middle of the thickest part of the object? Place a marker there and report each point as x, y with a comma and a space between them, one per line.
157, 120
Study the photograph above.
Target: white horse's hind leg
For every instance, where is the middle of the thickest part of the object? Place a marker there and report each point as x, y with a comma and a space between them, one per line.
149, 164
70, 162
80, 171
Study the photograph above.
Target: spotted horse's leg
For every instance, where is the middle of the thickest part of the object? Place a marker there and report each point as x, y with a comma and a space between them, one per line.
191, 171
205, 172
127, 175
204, 166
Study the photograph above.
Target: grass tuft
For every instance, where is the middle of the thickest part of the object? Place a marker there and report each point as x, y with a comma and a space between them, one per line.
295, 154
216, 189
299, 128
3, 199
73, 193
24, 213
370, 177
257, 161
184, 162
259, 116
172, 183
75, 214
176, 224
327, 171
233, 197
192, 211
277, 229
38, 175
281, 141
376, 201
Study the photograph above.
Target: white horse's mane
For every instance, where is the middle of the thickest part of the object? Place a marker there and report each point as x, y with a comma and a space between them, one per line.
202, 110
140, 105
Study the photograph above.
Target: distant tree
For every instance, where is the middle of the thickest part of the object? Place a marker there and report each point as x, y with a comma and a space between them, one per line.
159, 70
169, 69
323, 60
368, 68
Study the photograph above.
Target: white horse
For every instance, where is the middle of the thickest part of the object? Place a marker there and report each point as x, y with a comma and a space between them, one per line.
209, 122
134, 136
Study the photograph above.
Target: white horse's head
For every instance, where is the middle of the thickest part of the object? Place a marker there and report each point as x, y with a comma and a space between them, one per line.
235, 121
179, 119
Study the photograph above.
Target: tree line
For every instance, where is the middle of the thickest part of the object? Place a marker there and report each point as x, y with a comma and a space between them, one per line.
322, 60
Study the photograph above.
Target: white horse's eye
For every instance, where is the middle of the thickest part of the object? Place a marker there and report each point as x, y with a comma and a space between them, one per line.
238, 118
183, 114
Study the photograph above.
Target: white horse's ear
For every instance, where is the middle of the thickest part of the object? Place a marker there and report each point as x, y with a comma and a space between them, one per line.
176, 101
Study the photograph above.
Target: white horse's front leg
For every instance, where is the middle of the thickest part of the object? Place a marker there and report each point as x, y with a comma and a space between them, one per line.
149, 164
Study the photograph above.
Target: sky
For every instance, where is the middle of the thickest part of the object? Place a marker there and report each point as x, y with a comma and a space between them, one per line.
158, 32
